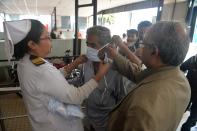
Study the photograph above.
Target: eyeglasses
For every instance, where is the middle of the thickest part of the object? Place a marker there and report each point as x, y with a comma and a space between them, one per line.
149, 46
92, 44
46, 38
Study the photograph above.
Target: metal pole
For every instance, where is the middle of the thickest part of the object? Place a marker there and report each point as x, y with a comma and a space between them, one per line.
4, 16
159, 10
51, 20
190, 8
77, 6
173, 9
55, 26
75, 46
193, 22
94, 2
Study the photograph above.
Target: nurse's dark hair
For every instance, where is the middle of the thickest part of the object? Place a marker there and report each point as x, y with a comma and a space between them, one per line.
21, 48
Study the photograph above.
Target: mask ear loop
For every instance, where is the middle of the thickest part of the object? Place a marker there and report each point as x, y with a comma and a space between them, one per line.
102, 97
106, 60
103, 47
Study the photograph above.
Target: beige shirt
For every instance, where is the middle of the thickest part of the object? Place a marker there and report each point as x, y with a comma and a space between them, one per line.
41, 83
156, 104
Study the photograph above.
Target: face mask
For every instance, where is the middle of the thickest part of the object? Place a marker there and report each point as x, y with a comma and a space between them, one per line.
92, 54
130, 43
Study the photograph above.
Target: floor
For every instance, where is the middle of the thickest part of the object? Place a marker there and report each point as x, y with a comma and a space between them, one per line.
12, 105
13, 113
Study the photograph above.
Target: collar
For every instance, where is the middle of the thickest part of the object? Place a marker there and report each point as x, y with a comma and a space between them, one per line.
149, 75
37, 61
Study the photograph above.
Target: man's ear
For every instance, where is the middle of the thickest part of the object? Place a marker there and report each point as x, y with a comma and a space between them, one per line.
31, 45
155, 51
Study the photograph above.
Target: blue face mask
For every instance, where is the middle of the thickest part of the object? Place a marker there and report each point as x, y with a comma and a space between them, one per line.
92, 54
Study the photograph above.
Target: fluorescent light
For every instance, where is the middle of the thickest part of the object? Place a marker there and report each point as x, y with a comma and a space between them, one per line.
17, 7
26, 6
36, 7
7, 7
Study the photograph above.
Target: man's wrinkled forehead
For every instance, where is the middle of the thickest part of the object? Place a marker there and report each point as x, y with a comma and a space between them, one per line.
91, 37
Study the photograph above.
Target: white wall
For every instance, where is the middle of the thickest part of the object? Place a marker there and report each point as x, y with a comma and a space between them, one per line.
59, 47
179, 12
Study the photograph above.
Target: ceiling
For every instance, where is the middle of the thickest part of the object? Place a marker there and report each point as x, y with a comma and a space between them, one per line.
63, 7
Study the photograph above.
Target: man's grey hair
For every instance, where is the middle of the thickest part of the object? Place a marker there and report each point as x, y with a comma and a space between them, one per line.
103, 34
171, 39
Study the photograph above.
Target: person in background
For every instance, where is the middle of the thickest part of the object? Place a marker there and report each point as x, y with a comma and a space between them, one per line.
132, 37
52, 103
52, 34
61, 35
110, 89
142, 28
129, 45
124, 37
135, 40
190, 66
79, 35
162, 93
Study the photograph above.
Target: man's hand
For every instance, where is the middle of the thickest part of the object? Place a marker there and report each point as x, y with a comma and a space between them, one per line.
103, 69
116, 40
111, 52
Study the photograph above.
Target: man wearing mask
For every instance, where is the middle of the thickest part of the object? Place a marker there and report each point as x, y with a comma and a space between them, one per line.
110, 89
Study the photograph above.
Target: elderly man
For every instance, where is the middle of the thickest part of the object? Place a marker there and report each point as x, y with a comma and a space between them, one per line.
110, 89
162, 93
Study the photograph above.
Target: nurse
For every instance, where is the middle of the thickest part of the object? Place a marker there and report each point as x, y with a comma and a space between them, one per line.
41, 82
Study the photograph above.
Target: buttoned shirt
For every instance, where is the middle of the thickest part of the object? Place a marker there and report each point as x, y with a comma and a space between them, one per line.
41, 83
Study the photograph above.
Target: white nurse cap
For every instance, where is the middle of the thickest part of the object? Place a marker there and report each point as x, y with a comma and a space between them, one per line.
15, 31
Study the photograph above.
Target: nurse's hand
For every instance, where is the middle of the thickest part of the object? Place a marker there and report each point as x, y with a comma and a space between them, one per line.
81, 59
103, 69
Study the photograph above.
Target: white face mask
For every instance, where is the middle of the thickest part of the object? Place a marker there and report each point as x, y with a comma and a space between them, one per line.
92, 54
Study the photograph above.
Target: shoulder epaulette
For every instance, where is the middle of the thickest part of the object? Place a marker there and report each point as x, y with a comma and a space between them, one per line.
36, 60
